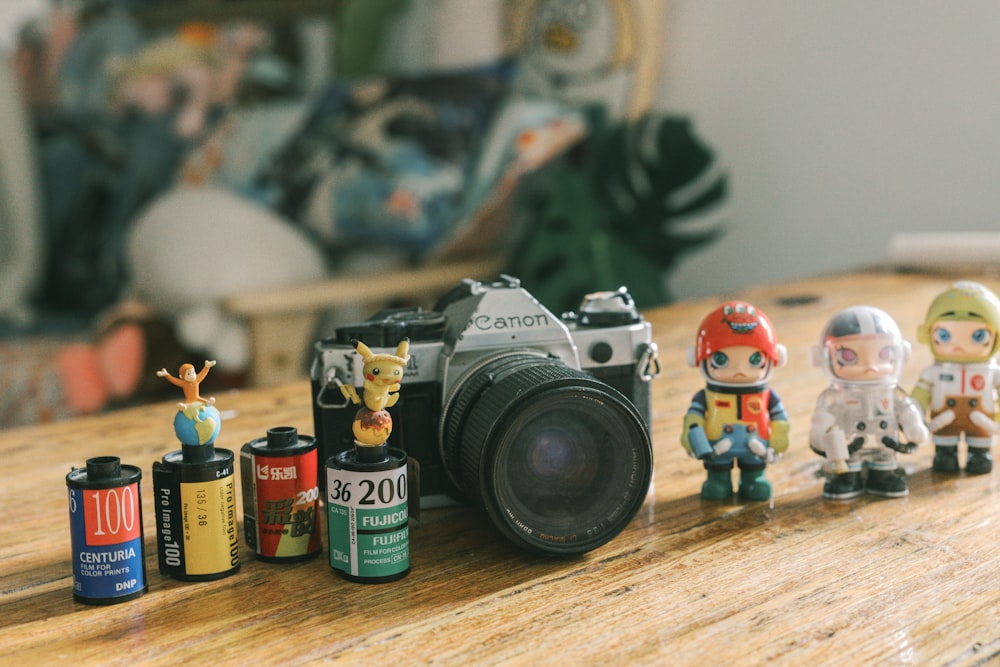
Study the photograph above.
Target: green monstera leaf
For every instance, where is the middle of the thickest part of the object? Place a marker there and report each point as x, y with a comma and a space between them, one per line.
620, 209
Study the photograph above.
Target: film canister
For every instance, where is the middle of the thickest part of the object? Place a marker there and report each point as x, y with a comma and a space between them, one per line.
105, 517
195, 495
367, 514
280, 476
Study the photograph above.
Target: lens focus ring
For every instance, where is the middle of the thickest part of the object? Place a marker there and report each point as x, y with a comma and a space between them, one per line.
560, 461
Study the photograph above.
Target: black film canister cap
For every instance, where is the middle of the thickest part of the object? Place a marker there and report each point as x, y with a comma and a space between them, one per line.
104, 469
282, 437
372, 453
198, 453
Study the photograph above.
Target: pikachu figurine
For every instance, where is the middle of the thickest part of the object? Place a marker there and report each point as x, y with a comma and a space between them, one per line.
382, 375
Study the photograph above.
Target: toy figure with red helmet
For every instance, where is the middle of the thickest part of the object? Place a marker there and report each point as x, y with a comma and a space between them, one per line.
860, 416
736, 417
959, 391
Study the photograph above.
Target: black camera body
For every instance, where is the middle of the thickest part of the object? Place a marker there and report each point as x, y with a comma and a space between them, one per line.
540, 420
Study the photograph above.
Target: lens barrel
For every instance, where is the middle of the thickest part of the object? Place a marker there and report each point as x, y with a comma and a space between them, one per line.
560, 461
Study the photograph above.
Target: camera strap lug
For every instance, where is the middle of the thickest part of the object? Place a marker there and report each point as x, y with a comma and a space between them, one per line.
648, 368
332, 385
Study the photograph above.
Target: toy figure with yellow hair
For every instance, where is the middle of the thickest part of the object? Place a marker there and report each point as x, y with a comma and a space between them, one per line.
382, 372
959, 391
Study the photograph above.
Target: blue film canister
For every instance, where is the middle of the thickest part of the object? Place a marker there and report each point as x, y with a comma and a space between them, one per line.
105, 516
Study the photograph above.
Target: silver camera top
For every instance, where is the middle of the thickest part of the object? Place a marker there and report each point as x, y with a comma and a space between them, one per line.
502, 316
499, 316
485, 319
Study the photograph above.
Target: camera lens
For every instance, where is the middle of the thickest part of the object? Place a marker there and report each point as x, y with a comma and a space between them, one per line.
560, 461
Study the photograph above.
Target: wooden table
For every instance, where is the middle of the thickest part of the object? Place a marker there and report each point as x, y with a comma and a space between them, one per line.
799, 580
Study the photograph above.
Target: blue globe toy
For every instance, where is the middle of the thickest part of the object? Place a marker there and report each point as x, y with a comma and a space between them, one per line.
198, 424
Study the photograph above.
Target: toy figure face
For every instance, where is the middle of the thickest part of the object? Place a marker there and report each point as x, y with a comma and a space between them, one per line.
737, 364
385, 372
962, 340
863, 357
190, 375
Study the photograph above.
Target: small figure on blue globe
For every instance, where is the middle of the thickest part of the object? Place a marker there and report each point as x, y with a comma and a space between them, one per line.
737, 417
197, 421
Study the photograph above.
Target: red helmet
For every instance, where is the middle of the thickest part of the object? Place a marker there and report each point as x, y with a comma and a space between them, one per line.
737, 323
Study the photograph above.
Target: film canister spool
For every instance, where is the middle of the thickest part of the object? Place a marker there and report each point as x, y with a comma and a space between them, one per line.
195, 495
105, 517
367, 514
280, 476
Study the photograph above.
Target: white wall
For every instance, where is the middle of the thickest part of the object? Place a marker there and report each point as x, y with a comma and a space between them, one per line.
841, 122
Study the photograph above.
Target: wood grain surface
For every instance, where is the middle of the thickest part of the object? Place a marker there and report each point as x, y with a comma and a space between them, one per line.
799, 580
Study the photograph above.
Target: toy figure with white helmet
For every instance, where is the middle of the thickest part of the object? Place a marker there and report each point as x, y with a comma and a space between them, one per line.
861, 415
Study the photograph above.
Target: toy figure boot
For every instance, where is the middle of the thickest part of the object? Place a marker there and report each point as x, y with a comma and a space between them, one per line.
980, 461
843, 486
753, 484
718, 486
946, 458
887, 484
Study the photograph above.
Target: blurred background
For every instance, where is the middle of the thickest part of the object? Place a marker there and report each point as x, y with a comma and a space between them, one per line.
841, 124
169, 170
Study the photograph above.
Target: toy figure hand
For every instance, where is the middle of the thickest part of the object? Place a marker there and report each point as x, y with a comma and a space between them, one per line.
722, 446
758, 447
983, 420
694, 440
914, 430
901, 447
840, 467
855, 445
209, 364
942, 420
162, 373
779, 437
835, 445
916, 433
350, 393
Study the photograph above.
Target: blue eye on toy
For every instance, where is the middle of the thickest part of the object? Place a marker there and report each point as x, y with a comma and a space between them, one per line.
981, 336
942, 335
757, 360
720, 360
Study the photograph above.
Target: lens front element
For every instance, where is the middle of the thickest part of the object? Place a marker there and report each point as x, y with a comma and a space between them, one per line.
560, 461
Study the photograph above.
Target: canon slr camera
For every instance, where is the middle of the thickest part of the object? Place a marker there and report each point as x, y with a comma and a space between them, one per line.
542, 421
